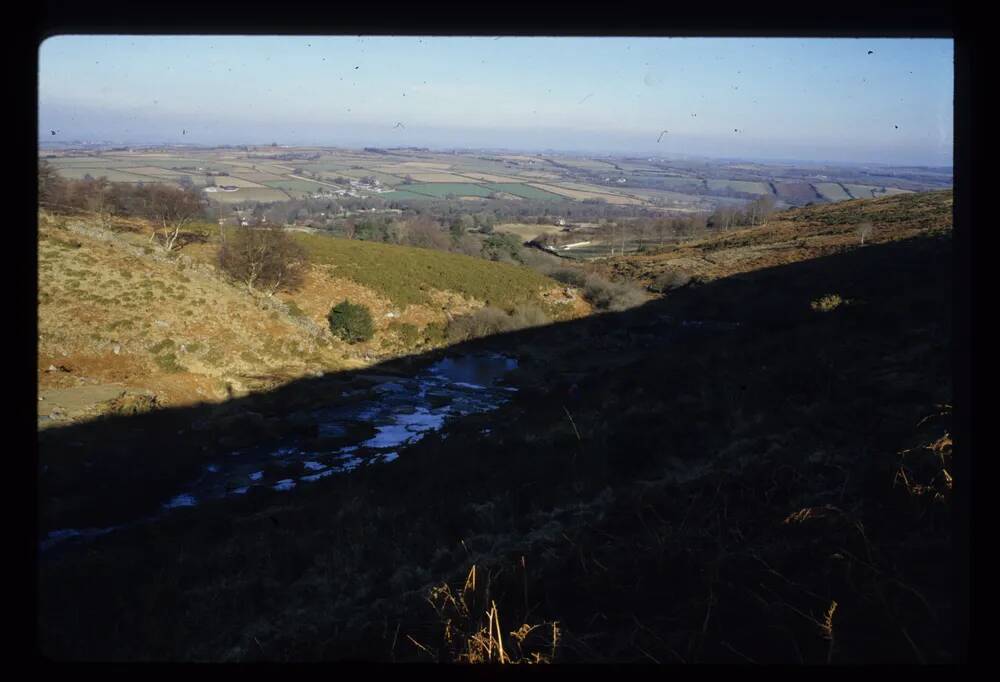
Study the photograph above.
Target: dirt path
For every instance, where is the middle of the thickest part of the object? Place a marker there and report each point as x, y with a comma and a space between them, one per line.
66, 404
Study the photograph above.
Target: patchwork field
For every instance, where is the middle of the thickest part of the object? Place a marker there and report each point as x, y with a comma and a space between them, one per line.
443, 189
658, 184
740, 186
586, 194
522, 190
441, 177
832, 191
872, 192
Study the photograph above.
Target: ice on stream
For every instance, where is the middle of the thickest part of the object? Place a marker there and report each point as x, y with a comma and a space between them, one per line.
402, 411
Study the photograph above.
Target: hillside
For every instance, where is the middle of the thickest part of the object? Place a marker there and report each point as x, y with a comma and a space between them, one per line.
124, 328
755, 469
792, 236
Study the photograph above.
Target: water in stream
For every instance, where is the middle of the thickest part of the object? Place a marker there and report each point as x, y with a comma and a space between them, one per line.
396, 413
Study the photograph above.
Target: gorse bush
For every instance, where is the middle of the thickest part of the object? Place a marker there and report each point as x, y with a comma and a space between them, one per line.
670, 279
351, 322
490, 320
407, 333
827, 303
570, 276
611, 296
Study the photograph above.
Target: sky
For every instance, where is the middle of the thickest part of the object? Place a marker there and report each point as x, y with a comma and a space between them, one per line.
858, 100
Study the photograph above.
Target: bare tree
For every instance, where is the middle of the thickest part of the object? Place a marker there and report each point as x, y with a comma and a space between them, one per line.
264, 258
97, 199
51, 187
427, 233
170, 209
864, 230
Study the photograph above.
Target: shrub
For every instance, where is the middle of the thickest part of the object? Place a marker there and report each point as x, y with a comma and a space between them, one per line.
670, 279
483, 322
407, 333
489, 320
351, 322
502, 247
264, 257
828, 303
295, 311
168, 363
165, 344
570, 276
434, 334
612, 296
528, 316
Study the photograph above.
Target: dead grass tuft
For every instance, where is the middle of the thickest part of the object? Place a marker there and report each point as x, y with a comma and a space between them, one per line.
473, 630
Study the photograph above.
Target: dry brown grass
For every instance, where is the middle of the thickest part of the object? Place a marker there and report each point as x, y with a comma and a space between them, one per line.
793, 236
473, 630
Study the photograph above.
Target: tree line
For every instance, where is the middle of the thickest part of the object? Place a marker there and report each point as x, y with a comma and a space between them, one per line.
168, 209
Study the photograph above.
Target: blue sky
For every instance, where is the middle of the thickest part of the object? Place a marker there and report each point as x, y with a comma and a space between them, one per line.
807, 99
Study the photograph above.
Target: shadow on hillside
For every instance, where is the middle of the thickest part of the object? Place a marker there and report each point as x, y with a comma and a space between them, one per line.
634, 489
105, 471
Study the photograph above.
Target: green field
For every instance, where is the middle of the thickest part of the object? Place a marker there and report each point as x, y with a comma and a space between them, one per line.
521, 190
295, 185
401, 195
442, 189
408, 275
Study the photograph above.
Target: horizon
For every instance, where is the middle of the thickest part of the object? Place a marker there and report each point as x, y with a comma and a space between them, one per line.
82, 144
848, 100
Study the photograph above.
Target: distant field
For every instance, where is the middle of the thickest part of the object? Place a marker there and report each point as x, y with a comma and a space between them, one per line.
402, 195
489, 177
796, 192
93, 162
235, 181
441, 177
157, 172
262, 194
681, 184
522, 190
582, 192
598, 250
748, 187
526, 231
870, 191
384, 178
77, 173
588, 164
831, 191
442, 189
411, 167
544, 175
294, 185
467, 176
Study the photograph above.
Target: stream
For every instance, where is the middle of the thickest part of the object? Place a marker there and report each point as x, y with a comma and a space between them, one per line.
371, 426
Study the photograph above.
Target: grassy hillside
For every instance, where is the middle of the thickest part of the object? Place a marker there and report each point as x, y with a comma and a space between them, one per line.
756, 469
121, 325
410, 276
794, 235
